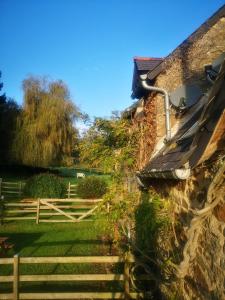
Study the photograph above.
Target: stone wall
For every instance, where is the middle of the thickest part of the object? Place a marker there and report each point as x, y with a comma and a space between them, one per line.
199, 212
186, 65
199, 229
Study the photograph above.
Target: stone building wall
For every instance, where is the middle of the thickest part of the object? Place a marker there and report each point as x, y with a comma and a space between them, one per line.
196, 244
200, 225
199, 232
186, 66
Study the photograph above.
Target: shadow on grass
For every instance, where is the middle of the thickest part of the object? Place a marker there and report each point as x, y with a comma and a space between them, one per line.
22, 240
73, 242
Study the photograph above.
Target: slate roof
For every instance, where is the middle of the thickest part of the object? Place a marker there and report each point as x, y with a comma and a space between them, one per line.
146, 63
155, 66
143, 65
209, 123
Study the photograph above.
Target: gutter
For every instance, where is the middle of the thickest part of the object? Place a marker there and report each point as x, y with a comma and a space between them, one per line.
178, 174
148, 87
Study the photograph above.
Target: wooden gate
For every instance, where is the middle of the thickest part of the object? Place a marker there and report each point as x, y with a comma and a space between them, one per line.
66, 210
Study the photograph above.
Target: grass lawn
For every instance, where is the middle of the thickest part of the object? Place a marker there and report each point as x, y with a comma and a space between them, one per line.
57, 239
68, 174
81, 239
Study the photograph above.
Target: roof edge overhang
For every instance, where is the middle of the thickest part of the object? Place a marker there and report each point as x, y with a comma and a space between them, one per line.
181, 173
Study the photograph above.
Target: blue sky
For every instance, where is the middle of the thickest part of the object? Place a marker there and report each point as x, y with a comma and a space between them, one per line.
90, 44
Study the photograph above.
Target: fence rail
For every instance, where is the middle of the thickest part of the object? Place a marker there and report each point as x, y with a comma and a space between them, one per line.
71, 190
16, 278
11, 189
51, 210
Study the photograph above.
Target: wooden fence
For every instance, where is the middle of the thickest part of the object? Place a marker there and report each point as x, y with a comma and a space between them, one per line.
66, 210
16, 278
19, 211
71, 190
11, 189
51, 210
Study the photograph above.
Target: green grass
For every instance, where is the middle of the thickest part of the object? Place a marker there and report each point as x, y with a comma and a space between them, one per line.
57, 239
81, 239
68, 174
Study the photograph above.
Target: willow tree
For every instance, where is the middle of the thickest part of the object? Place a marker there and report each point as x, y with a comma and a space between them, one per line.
46, 132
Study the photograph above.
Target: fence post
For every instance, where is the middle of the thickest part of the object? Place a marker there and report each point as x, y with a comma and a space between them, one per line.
69, 190
0, 186
127, 276
38, 211
16, 277
20, 189
107, 207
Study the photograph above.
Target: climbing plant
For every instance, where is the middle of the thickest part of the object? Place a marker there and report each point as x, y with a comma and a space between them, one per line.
110, 144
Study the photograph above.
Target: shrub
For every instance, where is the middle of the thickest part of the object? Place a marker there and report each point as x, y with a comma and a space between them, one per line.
91, 187
45, 186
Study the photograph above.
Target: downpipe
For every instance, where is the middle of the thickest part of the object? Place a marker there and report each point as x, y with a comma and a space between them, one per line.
180, 174
148, 87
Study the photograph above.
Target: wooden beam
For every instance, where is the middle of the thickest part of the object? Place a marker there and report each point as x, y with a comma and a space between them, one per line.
87, 213
6, 261
21, 204
38, 211
71, 259
78, 200
59, 214
62, 221
18, 211
46, 296
77, 277
6, 296
57, 209
19, 218
127, 277
16, 277
6, 279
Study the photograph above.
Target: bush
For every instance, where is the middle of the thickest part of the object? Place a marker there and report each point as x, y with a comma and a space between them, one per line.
45, 186
91, 187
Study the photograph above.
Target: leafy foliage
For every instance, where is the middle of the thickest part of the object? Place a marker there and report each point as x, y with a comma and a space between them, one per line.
110, 145
149, 221
9, 111
46, 134
121, 208
45, 186
91, 187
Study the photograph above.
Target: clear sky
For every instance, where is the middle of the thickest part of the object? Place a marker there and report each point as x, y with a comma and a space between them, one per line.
90, 44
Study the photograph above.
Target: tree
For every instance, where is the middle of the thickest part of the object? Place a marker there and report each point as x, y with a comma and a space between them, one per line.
46, 132
109, 144
9, 111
